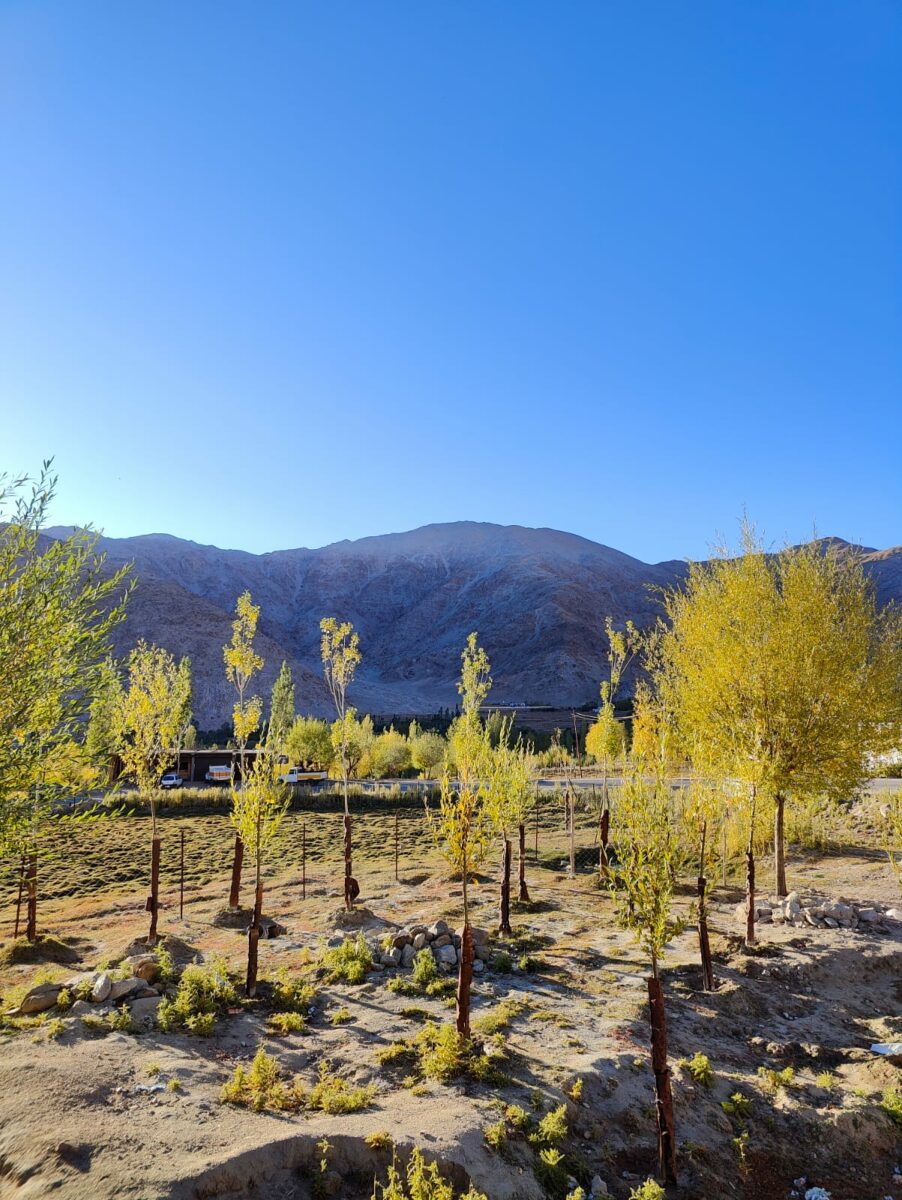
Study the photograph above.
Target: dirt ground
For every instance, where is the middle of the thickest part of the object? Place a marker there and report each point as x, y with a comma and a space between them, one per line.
92, 1115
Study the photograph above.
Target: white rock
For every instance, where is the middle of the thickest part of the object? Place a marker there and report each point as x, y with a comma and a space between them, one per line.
446, 955
419, 941
144, 1012
124, 987
102, 987
39, 999
407, 956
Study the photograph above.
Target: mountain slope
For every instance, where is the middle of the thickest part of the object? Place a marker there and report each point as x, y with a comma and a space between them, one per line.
537, 597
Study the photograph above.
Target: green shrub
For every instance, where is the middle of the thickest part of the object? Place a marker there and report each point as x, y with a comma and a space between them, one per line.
443, 1052
648, 1191
737, 1105
891, 1103
204, 992
332, 1094
168, 971
550, 1170
284, 1023
341, 1016
517, 1117
495, 1135
65, 1000
120, 1020
53, 1028
699, 1067
292, 995
502, 962
499, 1017
425, 968
774, 1080
261, 1087
379, 1139
348, 963
421, 1181
552, 1129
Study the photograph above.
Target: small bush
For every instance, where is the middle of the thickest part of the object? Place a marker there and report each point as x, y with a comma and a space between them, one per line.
443, 1052
65, 1000
502, 962
826, 1080
699, 1067
495, 1135
421, 1181
121, 1020
650, 1190
499, 1018
576, 1090
292, 995
204, 992
284, 1023
379, 1139
425, 968
332, 1094
53, 1028
393, 1053
341, 1016
737, 1105
774, 1080
168, 971
173, 1085
891, 1103
550, 1171
552, 1129
261, 1087
348, 963
517, 1117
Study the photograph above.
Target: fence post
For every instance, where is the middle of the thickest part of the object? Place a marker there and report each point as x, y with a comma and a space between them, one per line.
397, 818
303, 860
21, 890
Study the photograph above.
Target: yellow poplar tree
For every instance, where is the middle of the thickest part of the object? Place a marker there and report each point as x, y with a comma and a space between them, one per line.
242, 663
340, 652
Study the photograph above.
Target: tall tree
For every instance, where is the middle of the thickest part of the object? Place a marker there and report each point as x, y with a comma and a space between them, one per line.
510, 799
100, 738
281, 709
309, 744
58, 606
147, 722
340, 651
258, 807
242, 663
781, 673
463, 823
642, 888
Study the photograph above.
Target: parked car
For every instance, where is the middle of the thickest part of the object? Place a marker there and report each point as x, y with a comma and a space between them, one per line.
171, 779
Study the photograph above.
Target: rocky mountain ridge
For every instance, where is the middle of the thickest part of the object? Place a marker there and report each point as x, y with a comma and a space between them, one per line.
538, 598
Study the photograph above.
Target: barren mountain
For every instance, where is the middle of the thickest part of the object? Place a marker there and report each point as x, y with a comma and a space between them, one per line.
537, 597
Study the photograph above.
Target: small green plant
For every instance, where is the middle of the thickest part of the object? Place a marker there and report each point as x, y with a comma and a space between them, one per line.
425, 968
495, 1135
393, 1052
174, 1085
550, 1171
285, 1023
576, 1090
292, 995
737, 1105
420, 1181
774, 1080
499, 1018
341, 1016
120, 1020
443, 1052
517, 1117
379, 1139
65, 1000
891, 1103
53, 1028
699, 1067
261, 1087
740, 1142
348, 963
416, 1014
204, 992
83, 990
168, 971
650, 1190
552, 1129
502, 962
826, 1080
94, 1023
152, 1069
332, 1094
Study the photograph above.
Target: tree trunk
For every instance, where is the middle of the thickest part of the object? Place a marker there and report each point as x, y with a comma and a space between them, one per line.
237, 860
750, 890
253, 939
603, 835
663, 1094
352, 889
504, 911
703, 942
570, 807
31, 893
19, 897
780, 847
153, 900
464, 980
522, 893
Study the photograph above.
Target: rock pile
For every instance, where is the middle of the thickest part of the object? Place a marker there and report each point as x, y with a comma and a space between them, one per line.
444, 943
99, 991
817, 913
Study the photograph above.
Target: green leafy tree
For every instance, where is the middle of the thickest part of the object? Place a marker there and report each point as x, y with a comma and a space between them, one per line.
58, 606
462, 825
390, 755
427, 752
258, 807
510, 798
780, 671
242, 663
309, 744
281, 708
148, 720
643, 889
340, 652
100, 738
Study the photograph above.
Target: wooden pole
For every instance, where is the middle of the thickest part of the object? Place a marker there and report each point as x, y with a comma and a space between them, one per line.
303, 860
182, 877
396, 846
537, 824
19, 898
663, 1094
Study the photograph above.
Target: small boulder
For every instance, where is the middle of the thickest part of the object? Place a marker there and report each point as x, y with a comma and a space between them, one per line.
144, 1012
442, 939
39, 999
400, 940
868, 915
419, 940
438, 928
391, 958
446, 956
407, 955
143, 966
121, 988
478, 966
103, 985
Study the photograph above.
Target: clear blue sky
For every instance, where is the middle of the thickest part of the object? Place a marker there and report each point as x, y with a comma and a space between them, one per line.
275, 274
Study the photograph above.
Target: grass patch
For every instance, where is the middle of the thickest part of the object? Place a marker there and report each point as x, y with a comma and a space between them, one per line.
262, 1087
348, 963
332, 1094
284, 1023
204, 993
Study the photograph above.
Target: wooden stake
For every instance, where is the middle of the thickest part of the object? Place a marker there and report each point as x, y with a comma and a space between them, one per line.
663, 1094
